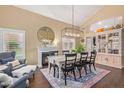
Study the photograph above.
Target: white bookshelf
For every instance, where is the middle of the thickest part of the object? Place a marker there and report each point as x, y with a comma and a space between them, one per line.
109, 41
110, 48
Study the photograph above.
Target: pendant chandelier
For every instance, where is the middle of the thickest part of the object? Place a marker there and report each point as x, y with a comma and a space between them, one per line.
72, 31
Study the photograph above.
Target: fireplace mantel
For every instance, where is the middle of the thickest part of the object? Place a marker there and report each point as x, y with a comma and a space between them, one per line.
43, 50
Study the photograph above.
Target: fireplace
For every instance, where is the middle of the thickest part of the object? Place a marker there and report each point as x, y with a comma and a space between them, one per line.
44, 58
44, 53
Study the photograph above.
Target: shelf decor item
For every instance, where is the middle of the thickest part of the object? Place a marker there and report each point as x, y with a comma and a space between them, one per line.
100, 30
107, 24
118, 26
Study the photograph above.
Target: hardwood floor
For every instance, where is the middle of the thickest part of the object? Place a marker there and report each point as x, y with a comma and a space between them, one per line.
39, 81
115, 79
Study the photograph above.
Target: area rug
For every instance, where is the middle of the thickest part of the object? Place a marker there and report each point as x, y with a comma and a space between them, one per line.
86, 81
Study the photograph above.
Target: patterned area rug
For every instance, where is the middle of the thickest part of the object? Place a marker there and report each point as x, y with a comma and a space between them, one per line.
86, 81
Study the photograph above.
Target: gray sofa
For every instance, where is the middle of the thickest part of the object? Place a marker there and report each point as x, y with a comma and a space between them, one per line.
18, 83
5, 58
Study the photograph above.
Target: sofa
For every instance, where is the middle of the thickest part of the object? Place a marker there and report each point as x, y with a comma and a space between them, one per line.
20, 83
19, 70
7, 81
6, 57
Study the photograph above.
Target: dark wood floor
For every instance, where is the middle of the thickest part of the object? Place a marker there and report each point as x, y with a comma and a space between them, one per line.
115, 79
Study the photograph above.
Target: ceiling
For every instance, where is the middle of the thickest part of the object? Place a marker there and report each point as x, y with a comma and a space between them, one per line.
64, 12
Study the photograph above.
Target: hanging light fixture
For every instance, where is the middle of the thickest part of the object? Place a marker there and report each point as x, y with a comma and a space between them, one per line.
72, 31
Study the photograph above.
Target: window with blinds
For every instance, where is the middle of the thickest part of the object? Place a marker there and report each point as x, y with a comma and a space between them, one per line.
13, 40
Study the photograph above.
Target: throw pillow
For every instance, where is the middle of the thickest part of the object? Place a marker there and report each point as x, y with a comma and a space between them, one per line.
15, 63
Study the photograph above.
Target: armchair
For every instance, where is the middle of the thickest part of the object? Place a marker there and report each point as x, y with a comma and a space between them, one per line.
7, 81
20, 83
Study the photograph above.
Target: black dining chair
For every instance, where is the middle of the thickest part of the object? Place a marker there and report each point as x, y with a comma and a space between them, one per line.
91, 60
53, 53
82, 62
68, 66
65, 52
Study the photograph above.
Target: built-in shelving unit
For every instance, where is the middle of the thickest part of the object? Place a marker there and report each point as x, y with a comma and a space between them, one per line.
109, 48
102, 43
109, 42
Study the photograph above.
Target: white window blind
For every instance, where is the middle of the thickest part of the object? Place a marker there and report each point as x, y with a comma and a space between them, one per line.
13, 40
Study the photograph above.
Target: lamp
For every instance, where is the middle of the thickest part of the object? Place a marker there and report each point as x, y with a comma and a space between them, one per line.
72, 31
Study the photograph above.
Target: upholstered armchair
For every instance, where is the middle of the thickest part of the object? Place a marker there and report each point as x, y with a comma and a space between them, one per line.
20, 83
7, 81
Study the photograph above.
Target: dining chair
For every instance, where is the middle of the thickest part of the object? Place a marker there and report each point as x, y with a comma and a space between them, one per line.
68, 66
65, 52
53, 53
82, 62
91, 60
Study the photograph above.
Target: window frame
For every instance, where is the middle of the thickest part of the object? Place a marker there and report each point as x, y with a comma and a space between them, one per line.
68, 41
13, 31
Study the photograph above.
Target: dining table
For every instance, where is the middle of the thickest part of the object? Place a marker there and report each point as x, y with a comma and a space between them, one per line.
58, 60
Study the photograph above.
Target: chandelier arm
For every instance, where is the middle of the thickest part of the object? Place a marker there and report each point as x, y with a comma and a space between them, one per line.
72, 31
73, 17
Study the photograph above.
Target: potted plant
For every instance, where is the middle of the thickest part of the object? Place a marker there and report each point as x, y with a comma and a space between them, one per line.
79, 49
